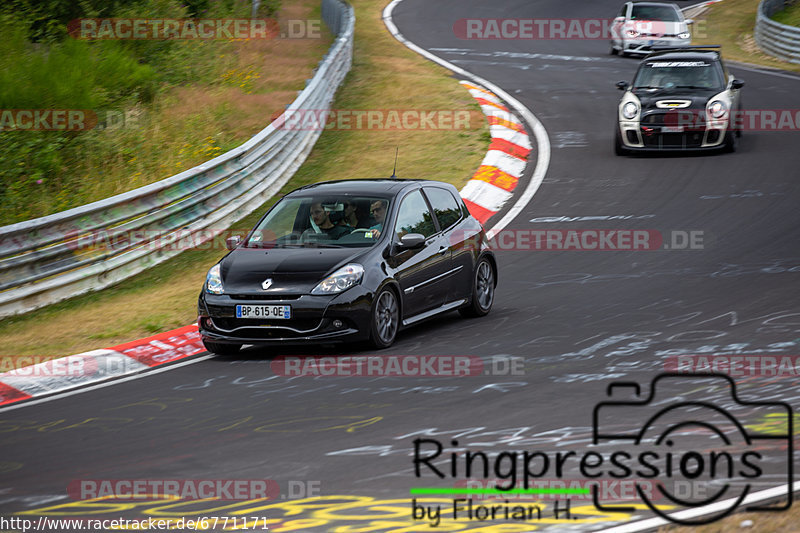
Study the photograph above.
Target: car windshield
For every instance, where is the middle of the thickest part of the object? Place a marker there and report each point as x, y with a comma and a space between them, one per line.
663, 13
694, 74
344, 221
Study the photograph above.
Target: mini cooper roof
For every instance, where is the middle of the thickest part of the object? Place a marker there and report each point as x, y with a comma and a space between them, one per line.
707, 53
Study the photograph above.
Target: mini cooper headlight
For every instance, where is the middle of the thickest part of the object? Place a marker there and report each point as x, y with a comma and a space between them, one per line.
717, 109
214, 280
341, 280
631, 33
629, 110
684, 35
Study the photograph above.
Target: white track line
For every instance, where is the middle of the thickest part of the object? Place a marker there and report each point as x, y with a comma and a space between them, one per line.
652, 523
542, 141
111, 381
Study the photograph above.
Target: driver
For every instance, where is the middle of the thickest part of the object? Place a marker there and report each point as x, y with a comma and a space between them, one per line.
378, 211
322, 219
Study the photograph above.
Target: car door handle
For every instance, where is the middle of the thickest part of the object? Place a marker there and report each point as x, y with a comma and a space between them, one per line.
443, 250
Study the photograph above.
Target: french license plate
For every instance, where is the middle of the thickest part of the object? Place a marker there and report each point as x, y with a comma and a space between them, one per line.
264, 311
672, 129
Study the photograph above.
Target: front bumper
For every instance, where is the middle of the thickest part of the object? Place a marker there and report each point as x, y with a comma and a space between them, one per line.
314, 319
658, 137
645, 46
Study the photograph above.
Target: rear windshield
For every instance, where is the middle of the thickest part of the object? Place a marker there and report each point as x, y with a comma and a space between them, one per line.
664, 13
322, 221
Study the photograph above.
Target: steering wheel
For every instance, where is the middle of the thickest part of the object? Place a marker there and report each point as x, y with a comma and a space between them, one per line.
361, 230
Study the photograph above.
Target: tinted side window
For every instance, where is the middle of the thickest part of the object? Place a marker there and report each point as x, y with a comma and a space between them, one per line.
444, 205
414, 216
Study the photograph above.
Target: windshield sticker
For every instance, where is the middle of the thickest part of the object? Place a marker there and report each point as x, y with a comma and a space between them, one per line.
679, 64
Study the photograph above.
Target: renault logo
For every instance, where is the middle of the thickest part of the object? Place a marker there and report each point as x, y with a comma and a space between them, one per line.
266, 284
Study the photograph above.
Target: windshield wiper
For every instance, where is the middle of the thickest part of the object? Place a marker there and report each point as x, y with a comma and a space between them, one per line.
322, 245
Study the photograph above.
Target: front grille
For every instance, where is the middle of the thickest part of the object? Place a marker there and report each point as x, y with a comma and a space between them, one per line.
299, 324
266, 297
673, 140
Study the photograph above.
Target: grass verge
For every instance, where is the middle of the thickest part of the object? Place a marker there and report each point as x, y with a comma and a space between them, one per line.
789, 16
730, 23
204, 98
384, 75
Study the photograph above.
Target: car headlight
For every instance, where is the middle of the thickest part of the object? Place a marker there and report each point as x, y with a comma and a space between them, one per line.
629, 110
214, 280
717, 109
341, 280
632, 33
684, 35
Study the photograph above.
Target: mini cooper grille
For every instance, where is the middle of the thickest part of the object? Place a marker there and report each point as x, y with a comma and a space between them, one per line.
673, 140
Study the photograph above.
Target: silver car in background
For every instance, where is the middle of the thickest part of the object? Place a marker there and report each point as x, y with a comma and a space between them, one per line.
640, 26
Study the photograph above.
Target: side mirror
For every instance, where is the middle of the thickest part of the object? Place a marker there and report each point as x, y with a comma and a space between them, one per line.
622, 85
411, 241
689, 21
232, 242
619, 18
737, 84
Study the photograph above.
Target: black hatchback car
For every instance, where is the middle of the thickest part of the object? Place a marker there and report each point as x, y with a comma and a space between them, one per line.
348, 261
679, 100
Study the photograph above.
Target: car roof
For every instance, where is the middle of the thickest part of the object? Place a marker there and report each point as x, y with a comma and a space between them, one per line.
654, 4
380, 186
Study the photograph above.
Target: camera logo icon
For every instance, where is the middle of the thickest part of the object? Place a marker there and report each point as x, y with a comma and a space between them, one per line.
674, 441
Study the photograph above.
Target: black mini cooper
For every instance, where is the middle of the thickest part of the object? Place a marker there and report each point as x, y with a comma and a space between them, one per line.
348, 261
679, 100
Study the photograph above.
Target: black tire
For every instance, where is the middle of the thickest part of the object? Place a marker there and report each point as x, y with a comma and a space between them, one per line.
220, 348
384, 319
731, 142
483, 284
613, 51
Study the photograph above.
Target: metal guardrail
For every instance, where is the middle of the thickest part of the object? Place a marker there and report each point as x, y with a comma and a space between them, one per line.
45, 260
774, 38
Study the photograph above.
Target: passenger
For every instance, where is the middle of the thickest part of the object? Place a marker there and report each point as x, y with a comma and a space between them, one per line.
323, 221
350, 217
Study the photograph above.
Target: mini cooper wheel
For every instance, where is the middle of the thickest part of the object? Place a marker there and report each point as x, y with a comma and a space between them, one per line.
220, 348
482, 291
731, 142
385, 320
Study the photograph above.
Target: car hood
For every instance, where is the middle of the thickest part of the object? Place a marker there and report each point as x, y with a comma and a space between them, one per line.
697, 98
292, 270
